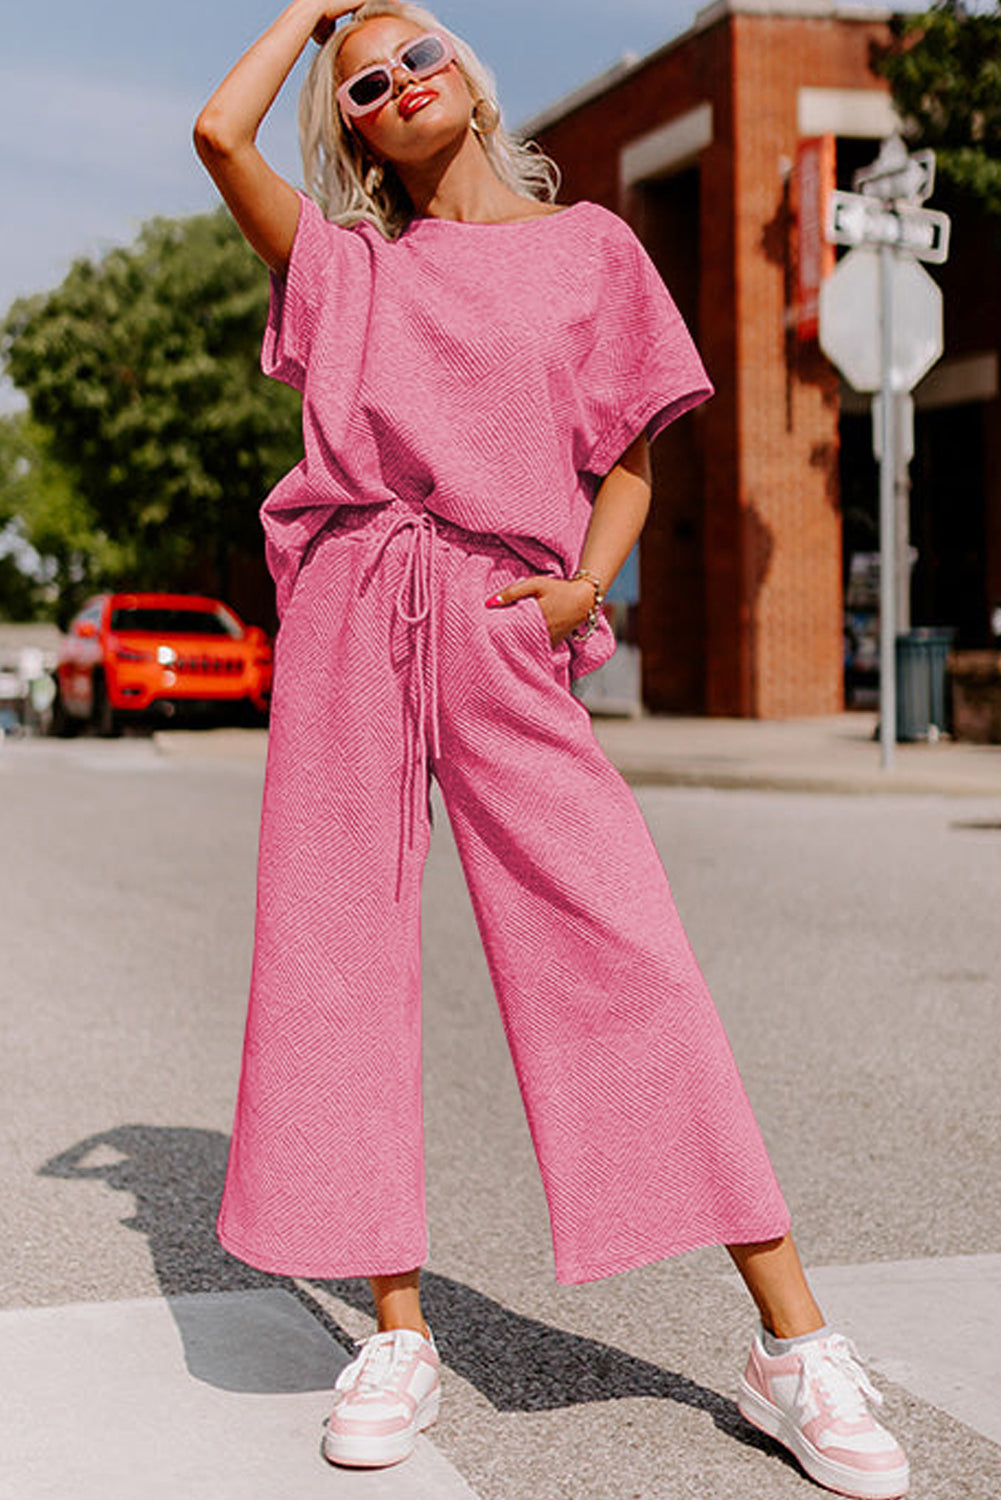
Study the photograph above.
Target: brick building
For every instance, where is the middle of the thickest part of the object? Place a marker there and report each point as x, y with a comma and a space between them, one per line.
762, 495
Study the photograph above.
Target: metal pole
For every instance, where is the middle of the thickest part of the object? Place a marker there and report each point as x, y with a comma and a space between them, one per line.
887, 521
904, 433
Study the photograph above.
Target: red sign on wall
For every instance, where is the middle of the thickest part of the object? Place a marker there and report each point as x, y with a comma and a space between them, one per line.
813, 181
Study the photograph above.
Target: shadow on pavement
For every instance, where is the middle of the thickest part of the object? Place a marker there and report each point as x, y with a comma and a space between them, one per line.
519, 1364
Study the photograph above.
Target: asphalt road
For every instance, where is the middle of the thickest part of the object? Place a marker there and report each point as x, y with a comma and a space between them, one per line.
854, 949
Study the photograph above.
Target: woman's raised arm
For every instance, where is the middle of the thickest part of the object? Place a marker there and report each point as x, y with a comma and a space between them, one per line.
263, 204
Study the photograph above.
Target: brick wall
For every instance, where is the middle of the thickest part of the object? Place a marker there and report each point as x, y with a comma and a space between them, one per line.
755, 474
788, 395
682, 625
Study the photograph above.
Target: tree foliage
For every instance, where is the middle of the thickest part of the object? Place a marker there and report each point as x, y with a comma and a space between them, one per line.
944, 68
55, 551
142, 368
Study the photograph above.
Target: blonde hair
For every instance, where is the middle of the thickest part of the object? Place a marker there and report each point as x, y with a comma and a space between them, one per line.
334, 160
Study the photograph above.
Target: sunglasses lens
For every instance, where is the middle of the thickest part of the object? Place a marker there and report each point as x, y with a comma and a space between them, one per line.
426, 54
370, 88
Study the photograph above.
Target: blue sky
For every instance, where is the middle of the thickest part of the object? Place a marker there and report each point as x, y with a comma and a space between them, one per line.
97, 101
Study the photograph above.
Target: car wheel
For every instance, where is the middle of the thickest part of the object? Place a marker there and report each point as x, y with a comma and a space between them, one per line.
251, 715
105, 720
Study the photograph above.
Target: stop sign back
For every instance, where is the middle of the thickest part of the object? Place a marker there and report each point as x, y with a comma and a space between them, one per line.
850, 331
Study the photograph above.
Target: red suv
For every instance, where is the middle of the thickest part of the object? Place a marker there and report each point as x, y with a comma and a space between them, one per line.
127, 655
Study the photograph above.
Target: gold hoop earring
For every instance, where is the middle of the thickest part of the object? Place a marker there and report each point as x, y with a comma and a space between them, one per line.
374, 178
486, 117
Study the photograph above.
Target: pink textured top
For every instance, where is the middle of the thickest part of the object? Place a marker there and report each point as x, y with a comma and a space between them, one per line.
495, 372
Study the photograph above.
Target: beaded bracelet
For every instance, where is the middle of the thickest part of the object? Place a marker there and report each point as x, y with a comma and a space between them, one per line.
581, 632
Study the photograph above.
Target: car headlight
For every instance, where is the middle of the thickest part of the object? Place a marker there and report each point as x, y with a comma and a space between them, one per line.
166, 656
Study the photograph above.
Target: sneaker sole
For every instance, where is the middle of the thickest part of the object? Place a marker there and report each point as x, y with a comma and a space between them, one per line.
357, 1452
889, 1485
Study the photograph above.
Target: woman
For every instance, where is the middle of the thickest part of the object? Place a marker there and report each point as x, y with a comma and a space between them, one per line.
482, 371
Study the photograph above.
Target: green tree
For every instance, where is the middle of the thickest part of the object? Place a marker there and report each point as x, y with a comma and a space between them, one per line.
142, 367
944, 68
19, 593
43, 515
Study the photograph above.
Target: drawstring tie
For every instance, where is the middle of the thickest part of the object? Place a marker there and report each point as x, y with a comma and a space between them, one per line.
413, 607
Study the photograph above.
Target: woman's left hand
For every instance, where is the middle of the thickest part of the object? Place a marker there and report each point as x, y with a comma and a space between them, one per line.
564, 604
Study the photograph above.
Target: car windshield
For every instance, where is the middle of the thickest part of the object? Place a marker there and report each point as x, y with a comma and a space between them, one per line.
172, 621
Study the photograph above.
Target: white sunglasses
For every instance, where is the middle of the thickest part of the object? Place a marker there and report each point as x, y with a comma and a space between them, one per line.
368, 89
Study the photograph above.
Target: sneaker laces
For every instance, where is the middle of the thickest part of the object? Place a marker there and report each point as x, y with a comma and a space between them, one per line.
834, 1365
377, 1359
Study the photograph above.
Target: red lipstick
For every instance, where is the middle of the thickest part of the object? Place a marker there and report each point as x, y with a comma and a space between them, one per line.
415, 99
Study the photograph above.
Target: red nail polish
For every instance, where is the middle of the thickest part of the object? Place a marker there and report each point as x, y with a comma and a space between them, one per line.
494, 601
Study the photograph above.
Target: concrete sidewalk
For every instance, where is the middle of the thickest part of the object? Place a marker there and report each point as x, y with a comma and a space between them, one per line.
210, 1396
836, 754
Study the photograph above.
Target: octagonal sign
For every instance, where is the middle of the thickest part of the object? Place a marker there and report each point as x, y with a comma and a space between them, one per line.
850, 333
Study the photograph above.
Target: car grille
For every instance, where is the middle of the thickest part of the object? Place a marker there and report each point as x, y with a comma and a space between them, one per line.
209, 666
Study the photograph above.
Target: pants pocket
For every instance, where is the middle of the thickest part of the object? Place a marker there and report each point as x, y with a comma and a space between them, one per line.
541, 627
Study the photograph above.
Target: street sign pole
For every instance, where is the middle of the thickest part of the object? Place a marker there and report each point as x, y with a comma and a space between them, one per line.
880, 323
887, 521
904, 425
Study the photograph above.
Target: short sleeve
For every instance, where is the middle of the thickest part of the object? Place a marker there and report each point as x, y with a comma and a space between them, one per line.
645, 370
326, 260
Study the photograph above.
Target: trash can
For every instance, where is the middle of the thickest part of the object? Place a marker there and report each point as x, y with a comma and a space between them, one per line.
921, 682
975, 679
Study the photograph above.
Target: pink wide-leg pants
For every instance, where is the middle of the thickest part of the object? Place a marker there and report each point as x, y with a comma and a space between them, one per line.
390, 670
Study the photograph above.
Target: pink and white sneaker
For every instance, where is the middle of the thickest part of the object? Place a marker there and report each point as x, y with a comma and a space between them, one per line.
387, 1395
814, 1400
